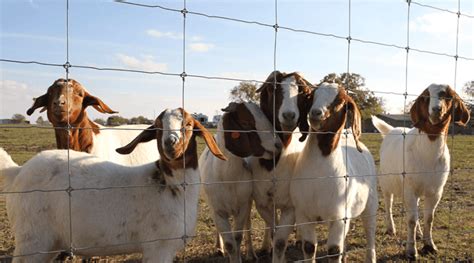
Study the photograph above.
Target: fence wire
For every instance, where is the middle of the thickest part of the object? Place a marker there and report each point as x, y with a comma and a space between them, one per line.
184, 75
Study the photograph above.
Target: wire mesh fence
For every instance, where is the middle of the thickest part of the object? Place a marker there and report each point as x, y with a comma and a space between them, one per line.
350, 247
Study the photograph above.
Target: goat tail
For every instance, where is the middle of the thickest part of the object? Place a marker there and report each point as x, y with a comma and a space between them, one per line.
383, 127
8, 168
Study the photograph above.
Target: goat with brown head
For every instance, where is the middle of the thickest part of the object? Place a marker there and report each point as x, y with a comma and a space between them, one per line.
65, 103
283, 97
435, 107
176, 131
332, 107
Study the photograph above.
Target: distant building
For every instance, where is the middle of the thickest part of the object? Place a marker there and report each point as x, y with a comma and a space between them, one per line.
202, 118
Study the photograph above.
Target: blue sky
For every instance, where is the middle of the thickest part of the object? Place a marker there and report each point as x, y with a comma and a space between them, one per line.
109, 34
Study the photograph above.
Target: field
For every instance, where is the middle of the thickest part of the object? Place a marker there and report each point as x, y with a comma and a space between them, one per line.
453, 227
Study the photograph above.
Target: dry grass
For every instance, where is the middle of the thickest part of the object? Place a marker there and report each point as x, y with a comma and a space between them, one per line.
453, 227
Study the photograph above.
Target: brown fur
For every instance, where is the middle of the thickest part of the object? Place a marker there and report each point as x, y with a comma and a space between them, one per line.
268, 97
185, 151
246, 143
452, 108
70, 109
341, 110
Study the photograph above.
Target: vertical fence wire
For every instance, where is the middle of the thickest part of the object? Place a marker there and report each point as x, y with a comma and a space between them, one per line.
346, 135
451, 178
404, 134
274, 179
183, 129
69, 130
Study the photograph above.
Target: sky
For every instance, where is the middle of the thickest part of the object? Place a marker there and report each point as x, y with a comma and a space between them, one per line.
108, 34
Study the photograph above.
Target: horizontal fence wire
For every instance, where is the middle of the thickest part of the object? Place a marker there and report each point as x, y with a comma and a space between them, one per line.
67, 66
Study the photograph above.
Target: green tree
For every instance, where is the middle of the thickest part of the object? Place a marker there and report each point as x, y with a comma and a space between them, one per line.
354, 83
100, 121
116, 120
245, 91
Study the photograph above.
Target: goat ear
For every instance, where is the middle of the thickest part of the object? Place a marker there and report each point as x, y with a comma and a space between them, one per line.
209, 139
145, 136
270, 81
461, 112
97, 103
236, 142
231, 107
41, 101
419, 108
305, 102
356, 121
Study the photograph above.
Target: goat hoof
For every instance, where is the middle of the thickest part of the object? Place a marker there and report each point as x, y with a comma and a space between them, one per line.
411, 256
429, 249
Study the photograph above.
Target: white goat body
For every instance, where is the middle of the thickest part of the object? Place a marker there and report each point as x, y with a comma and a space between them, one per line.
105, 222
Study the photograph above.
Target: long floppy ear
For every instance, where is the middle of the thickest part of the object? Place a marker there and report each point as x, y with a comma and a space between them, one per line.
461, 112
145, 136
418, 110
41, 101
97, 103
209, 139
236, 142
304, 104
270, 81
355, 118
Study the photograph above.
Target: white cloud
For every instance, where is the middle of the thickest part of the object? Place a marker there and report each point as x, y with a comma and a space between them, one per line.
442, 24
15, 97
159, 34
201, 47
172, 35
146, 63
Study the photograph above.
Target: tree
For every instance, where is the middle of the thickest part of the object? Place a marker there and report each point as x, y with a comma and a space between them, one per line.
368, 103
140, 120
468, 88
100, 121
245, 91
19, 118
116, 120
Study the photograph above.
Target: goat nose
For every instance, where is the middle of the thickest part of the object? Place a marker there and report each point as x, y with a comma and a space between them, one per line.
172, 140
278, 145
436, 109
289, 115
316, 112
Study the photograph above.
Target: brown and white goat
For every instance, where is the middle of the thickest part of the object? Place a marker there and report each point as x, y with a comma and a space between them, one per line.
320, 189
427, 160
243, 131
283, 98
66, 102
152, 208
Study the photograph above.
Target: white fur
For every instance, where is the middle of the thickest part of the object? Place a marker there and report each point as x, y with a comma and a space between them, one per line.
228, 186
427, 165
149, 219
289, 88
315, 198
111, 138
319, 190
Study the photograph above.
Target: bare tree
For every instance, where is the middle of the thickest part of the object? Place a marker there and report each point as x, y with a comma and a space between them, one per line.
245, 91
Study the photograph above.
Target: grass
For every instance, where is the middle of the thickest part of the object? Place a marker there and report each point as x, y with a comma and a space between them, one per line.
453, 227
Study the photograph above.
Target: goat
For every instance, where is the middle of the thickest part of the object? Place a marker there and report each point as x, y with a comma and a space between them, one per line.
427, 160
65, 102
282, 98
114, 197
334, 178
243, 131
